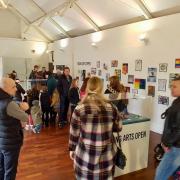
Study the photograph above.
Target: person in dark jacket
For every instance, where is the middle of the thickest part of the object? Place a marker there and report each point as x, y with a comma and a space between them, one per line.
171, 136
11, 133
63, 86
74, 95
34, 75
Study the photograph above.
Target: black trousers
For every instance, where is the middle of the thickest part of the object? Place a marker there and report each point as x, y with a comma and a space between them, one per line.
64, 105
45, 117
8, 164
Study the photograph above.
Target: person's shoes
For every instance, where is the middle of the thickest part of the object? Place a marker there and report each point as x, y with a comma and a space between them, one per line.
34, 130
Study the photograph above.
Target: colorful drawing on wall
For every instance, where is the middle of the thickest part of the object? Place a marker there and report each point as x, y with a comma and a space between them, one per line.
127, 89
107, 76
140, 84
151, 91
93, 71
105, 66
163, 100
177, 63
172, 76
117, 72
162, 84
114, 63
99, 72
130, 79
163, 67
138, 65
98, 64
83, 75
125, 68
83, 63
152, 73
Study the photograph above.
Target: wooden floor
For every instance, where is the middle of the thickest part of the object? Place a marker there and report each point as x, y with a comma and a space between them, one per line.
45, 156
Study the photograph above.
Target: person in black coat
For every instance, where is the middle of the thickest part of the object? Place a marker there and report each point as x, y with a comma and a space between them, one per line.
63, 86
74, 95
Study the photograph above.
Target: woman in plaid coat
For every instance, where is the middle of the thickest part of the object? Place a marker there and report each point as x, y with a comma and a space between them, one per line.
91, 135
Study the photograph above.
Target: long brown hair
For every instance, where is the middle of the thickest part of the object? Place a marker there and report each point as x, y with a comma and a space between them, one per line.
84, 85
73, 84
116, 85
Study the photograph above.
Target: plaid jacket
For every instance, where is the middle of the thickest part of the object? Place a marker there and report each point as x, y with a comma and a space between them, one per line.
91, 139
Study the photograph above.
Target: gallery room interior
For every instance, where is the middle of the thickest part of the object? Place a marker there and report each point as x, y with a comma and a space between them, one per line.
89, 65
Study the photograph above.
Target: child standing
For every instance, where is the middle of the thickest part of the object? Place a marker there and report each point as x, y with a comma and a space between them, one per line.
36, 115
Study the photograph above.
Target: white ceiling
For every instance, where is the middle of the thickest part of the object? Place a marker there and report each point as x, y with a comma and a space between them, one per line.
70, 18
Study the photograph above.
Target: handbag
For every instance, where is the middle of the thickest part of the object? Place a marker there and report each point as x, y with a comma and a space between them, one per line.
120, 158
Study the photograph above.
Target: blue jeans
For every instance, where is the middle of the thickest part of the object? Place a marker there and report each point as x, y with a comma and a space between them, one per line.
38, 127
8, 164
169, 164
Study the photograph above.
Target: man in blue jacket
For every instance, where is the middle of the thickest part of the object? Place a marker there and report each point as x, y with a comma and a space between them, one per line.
11, 133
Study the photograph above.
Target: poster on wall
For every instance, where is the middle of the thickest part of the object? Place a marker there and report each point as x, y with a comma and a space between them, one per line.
107, 76
151, 91
105, 66
114, 63
177, 63
164, 100
60, 67
83, 74
138, 65
140, 84
134, 92
127, 89
83, 63
99, 73
152, 73
172, 76
162, 84
130, 79
93, 71
125, 68
117, 72
163, 67
98, 64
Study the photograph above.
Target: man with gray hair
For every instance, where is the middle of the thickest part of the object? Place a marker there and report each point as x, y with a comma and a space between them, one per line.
11, 133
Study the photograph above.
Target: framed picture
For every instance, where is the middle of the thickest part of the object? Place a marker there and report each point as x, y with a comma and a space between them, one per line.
164, 100
177, 63
98, 63
99, 72
163, 67
152, 73
114, 63
138, 65
162, 84
130, 79
107, 76
127, 89
105, 66
93, 71
140, 84
125, 68
151, 91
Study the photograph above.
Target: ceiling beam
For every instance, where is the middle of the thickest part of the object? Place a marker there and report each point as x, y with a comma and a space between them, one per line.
59, 27
27, 22
144, 9
86, 16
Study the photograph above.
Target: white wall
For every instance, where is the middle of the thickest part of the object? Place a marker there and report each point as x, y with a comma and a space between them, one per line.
122, 43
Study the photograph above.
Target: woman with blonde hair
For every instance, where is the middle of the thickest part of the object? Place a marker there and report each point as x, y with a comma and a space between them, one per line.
91, 134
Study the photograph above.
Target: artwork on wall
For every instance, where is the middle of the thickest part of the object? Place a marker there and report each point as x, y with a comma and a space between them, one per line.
163, 100
138, 65
114, 63
172, 76
177, 63
127, 89
125, 68
98, 64
93, 71
107, 76
83, 63
60, 67
162, 84
130, 79
99, 72
105, 66
140, 84
118, 73
151, 91
83, 74
163, 67
152, 73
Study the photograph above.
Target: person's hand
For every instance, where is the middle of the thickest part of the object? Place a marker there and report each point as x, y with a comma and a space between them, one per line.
166, 149
71, 154
24, 106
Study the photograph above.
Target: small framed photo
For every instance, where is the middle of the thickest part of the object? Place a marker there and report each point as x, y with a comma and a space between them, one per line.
162, 84
163, 67
164, 100
138, 65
